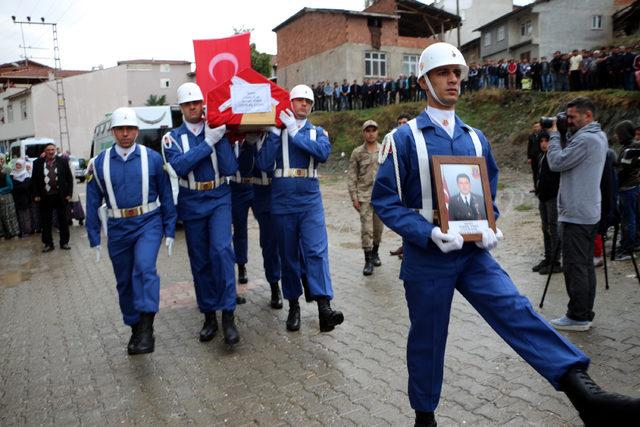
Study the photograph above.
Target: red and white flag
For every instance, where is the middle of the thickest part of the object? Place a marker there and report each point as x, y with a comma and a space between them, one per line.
217, 60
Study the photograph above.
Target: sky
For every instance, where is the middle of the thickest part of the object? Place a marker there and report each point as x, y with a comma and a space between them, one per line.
100, 33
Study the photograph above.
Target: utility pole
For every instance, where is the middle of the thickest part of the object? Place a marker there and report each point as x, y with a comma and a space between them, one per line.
459, 22
62, 106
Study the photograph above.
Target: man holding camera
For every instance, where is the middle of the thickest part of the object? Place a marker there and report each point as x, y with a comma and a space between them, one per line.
580, 164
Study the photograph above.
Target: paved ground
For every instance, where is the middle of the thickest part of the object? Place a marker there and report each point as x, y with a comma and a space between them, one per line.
63, 359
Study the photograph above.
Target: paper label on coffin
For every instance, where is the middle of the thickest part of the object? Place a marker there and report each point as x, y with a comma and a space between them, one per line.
250, 98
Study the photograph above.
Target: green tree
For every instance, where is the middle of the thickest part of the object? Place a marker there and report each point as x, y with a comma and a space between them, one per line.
156, 100
260, 61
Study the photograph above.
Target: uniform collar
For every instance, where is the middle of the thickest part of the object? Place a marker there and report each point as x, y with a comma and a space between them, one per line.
133, 153
424, 121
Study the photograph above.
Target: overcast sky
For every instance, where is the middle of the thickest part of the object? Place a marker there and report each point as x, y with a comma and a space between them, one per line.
93, 33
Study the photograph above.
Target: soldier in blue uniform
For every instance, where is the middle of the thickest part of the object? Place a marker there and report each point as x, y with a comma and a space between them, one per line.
131, 181
241, 201
296, 207
437, 263
262, 212
202, 157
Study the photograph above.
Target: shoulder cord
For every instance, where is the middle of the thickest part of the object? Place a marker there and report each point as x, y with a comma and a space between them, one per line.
389, 147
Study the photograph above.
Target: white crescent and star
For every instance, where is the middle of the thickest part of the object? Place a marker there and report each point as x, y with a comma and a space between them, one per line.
224, 56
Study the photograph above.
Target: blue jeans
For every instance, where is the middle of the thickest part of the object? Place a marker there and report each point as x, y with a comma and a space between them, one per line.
628, 210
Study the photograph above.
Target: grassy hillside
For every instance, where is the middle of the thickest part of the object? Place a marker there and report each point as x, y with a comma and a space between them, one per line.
505, 117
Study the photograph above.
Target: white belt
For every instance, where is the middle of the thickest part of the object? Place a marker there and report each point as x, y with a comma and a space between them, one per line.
242, 180
261, 181
296, 173
134, 211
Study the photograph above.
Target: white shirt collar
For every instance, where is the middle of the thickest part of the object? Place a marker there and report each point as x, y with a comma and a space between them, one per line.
446, 119
124, 153
301, 123
195, 128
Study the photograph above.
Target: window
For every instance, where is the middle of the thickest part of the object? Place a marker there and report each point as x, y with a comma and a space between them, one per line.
525, 29
487, 39
23, 109
409, 64
165, 83
165, 68
596, 22
2, 116
10, 113
500, 33
375, 64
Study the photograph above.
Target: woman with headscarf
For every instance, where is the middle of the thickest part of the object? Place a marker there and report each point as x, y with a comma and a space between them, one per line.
33, 206
8, 222
22, 196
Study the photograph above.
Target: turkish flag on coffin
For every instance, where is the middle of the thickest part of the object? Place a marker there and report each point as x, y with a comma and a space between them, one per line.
217, 60
219, 104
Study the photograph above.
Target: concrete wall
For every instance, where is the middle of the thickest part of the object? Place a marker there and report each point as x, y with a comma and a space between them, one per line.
474, 14
342, 62
145, 79
19, 127
496, 46
565, 27
89, 97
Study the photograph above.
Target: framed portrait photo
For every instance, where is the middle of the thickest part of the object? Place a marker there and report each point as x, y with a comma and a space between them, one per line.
464, 196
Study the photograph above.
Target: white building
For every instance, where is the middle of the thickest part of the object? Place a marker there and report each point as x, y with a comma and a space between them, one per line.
31, 109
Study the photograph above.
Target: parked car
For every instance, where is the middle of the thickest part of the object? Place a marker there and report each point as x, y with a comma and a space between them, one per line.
78, 166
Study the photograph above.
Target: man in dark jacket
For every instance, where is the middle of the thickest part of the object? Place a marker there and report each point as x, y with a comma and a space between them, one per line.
628, 165
547, 192
52, 189
533, 153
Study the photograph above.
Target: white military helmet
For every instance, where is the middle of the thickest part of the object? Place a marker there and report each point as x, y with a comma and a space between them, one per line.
188, 92
124, 116
301, 91
439, 54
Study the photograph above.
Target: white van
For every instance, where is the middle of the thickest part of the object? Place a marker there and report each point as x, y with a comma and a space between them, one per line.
29, 147
154, 123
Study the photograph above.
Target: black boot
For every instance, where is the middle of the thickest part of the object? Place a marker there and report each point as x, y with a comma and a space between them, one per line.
145, 342
375, 258
210, 327
276, 300
293, 319
368, 265
596, 406
305, 288
242, 274
229, 330
135, 337
329, 318
425, 419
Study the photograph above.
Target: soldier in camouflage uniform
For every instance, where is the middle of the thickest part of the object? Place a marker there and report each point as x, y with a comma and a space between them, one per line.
363, 166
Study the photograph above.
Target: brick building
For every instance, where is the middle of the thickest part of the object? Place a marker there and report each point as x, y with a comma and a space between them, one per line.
383, 40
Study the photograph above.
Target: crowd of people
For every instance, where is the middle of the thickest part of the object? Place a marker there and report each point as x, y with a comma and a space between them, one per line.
615, 67
32, 202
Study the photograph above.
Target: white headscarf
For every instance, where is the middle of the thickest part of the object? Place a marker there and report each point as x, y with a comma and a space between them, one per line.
19, 174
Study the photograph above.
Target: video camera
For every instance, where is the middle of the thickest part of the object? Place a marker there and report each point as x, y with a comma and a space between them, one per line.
562, 124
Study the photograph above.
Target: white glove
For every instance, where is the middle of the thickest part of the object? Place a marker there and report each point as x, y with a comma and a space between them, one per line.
97, 249
490, 239
446, 242
212, 136
169, 244
289, 120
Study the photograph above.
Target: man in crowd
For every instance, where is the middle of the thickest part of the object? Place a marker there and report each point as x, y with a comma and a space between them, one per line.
574, 70
363, 166
296, 207
131, 180
628, 166
547, 192
202, 157
580, 164
52, 186
533, 153
437, 263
